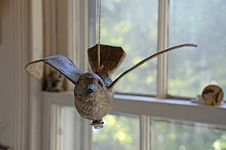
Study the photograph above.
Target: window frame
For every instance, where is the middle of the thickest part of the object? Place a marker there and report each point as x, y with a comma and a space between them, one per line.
146, 107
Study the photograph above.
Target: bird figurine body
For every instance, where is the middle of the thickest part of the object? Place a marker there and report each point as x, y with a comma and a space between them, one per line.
93, 91
92, 98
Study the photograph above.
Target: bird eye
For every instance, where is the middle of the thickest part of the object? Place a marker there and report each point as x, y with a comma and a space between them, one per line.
89, 91
100, 83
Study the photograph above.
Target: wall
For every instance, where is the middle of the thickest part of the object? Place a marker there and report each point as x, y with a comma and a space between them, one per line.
14, 46
5, 66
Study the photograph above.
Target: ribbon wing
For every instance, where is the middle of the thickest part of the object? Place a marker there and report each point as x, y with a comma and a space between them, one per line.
58, 62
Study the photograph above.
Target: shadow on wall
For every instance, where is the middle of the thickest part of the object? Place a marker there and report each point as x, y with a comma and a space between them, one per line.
3, 6
3, 127
3, 147
3, 124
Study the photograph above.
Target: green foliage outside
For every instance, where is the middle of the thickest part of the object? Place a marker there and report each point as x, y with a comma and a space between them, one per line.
119, 133
122, 133
126, 23
202, 22
133, 26
182, 136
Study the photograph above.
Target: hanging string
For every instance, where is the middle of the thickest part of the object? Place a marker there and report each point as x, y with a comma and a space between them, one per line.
99, 34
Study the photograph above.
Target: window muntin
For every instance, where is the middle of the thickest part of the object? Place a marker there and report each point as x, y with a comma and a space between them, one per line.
202, 22
133, 26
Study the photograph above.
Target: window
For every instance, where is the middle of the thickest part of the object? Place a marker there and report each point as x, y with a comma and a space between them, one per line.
120, 132
159, 120
171, 135
190, 71
126, 24
67, 128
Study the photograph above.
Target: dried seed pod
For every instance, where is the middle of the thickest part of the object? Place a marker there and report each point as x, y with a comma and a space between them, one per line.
212, 95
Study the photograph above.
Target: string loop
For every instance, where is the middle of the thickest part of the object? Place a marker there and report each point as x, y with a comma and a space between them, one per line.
99, 34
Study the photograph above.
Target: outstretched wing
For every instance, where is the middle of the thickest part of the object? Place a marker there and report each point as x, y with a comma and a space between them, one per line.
58, 62
147, 59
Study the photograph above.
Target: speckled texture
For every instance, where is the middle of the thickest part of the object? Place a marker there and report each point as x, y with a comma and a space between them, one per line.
111, 58
95, 105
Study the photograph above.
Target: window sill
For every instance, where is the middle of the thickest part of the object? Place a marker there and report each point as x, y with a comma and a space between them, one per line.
154, 107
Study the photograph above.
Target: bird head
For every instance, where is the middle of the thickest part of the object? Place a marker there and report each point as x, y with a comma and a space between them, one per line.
88, 85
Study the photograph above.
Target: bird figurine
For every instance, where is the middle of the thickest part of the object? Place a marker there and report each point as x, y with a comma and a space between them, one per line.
93, 91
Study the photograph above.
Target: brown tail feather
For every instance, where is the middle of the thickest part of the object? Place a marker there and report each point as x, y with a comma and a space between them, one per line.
110, 58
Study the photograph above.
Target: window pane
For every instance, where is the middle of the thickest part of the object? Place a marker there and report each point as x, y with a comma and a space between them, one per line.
202, 22
133, 26
173, 135
119, 133
68, 125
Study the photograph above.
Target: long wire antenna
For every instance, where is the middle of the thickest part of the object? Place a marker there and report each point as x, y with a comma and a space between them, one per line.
148, 58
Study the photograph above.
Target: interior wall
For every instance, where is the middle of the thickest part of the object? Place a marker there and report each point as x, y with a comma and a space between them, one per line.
14, 45
5, 67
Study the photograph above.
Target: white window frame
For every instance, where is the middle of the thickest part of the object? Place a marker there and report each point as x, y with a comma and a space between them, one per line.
82, 30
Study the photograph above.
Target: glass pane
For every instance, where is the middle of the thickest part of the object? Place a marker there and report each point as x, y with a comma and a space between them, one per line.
133, 26
68, 129
202, 22
171, 135
119, 133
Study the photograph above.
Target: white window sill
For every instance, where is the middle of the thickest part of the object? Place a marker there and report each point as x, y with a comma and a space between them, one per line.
166, 108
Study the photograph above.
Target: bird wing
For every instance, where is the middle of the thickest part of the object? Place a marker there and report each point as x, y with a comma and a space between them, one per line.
59, 62
147, 59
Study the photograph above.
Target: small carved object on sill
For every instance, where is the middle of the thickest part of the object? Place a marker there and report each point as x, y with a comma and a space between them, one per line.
212, 95
54, 81
4, 147
93, 96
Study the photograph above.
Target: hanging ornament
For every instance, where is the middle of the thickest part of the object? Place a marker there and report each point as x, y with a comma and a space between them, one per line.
93, 95
93, 91
212, 95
